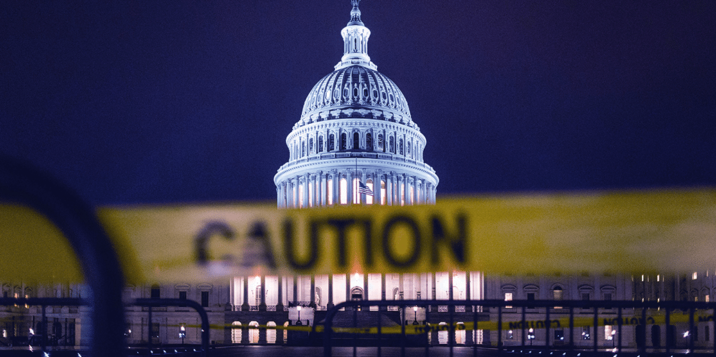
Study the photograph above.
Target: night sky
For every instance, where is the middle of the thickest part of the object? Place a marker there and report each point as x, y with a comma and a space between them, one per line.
191, 101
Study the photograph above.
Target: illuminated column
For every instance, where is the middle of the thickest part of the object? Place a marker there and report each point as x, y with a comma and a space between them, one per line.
283, 194
295, 290
382, 291
336, 184
312, 293
451, 287
348, 288
403, 188
365, 288
289, 191
322, 188
389, 189
279, 306
409, 189
314, 191
306, 178
396, 189
245, 305
330, 291
296, 191
262, 291
434, 292
400, 287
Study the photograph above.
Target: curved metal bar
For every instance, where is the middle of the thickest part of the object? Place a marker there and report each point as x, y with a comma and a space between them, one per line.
24, 185
179, 302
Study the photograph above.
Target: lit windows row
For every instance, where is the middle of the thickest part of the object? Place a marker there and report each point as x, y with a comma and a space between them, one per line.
396, 144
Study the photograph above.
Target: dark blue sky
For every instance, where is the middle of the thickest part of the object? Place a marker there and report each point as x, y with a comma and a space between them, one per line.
191, 101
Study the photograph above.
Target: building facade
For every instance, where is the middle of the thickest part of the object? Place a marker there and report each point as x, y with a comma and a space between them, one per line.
355, 144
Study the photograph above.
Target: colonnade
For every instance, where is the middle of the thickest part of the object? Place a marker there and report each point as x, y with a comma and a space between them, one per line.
340, 187
275, 293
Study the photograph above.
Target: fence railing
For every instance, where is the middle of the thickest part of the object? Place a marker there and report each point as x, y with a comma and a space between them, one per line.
532, 318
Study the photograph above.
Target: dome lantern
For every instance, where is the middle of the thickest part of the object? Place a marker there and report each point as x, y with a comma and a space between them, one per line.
355, 42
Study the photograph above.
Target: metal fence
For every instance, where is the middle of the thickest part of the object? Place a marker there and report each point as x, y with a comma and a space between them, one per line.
529, 319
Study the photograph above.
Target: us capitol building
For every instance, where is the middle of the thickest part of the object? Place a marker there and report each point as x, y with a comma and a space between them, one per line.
355, 144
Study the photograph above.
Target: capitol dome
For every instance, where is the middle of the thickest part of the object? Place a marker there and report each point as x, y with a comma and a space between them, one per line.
356, 142
362, 89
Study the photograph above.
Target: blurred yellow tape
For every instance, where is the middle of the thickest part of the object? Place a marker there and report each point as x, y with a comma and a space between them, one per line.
630, 232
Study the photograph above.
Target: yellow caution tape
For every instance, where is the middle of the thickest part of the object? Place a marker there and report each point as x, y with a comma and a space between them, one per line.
629, 232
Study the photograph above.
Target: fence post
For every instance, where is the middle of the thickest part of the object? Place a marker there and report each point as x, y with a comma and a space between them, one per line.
24, 185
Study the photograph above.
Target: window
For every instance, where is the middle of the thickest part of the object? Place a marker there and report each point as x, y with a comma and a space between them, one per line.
344, 141
155, 330
380, 143
369, 141
510, 335
356, 141
530, 297
182, 296
236, 332
559, 335
706, 298
155, 292
303, 149
331, 142
408, 148
586, 335
609, 332
320, 144
508, 297
607, 296
558, 295
585, 296
310, 146
707, 333
400, 146
557, 292
391, 144
694, 276
204, 299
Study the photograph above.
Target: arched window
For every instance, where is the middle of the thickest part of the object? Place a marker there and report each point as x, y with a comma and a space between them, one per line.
253, 332
320, 144
303, 149
331, 143
285, 332
155, 292
369, 141
310, 146
409, 149
236, 332
400, 146
380, 143
391, 145
271, 332
356, 140
344, 141
317, 298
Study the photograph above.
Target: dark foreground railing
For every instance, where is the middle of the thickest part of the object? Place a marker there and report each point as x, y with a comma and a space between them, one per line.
530, 318
23, 185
